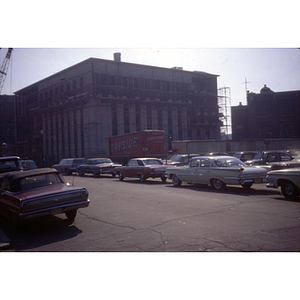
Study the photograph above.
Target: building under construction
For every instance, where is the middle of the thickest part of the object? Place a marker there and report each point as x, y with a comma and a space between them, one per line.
71, 113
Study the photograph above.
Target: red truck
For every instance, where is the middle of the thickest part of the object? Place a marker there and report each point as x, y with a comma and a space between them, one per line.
146, 143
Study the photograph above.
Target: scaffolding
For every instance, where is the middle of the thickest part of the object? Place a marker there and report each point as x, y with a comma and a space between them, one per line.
224, 104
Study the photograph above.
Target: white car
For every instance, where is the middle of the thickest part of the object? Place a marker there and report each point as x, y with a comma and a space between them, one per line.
287, 179
217, 171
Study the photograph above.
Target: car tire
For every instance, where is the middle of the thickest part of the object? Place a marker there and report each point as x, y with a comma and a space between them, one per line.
71, 214
163, 178
247, 185
218, 184
121, 177
81, 173
96, 174
142, 178
176, 181
113, 174
289, 190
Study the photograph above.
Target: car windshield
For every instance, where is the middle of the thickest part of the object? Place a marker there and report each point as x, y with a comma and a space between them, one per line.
153, 162
102, 161
258, 156
176, 158
229, 162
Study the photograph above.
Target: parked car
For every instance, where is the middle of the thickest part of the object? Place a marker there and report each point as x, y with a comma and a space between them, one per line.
269, 157
143, 168
98, 166
245, 155
28, 164
39, 192
10, 163
295, 163
68, 165
180, 159
287, 179
217, 171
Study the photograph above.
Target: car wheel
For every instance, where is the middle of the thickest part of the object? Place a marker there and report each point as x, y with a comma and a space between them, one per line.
96, 174
176, 181
121, 177
113, 174
218, 184
289, 190
247, 185
71, 214
142, 178
163, 178
81, 173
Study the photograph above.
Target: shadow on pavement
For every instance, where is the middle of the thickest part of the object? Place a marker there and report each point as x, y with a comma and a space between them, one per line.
38, 232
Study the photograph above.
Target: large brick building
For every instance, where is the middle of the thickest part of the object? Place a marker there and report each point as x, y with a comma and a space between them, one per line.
71, 113
7, 123
267, 115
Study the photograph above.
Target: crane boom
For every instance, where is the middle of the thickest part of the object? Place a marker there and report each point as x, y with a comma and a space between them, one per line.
4, 67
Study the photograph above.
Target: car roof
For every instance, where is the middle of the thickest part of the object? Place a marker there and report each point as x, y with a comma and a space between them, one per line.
145, 158
9, 157
20, 174
213, 157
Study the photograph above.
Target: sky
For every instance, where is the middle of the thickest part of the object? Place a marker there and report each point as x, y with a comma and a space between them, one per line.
238, 68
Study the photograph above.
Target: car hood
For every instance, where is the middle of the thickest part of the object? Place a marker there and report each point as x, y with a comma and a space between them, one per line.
48, 191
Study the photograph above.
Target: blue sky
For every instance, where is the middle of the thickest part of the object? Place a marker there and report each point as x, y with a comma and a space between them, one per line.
278, 68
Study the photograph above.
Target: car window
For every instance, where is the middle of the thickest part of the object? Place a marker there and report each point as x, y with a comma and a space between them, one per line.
195, 163
133, 162
140, 163
284, 157
204, 163
153, 162
273, 157
229, 162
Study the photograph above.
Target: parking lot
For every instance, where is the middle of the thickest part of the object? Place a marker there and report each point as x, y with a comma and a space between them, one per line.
130, 216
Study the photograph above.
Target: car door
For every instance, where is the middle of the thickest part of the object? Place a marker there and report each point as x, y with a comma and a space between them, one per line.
191, 174
203, 172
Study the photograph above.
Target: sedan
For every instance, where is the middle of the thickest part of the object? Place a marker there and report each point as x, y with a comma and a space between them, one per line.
143, 168
39, 192
217, 171
287, 179
68, 165
98, 166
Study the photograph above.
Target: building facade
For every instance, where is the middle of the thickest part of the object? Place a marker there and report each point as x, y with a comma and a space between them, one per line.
7, 123
268, 115
71, 113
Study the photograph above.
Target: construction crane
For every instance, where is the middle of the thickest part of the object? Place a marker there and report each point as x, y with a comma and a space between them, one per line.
4, 67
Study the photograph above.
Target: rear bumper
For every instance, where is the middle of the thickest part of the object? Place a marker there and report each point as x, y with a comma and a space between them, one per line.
59, 209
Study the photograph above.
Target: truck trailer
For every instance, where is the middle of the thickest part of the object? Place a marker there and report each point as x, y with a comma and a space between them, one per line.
146, 143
